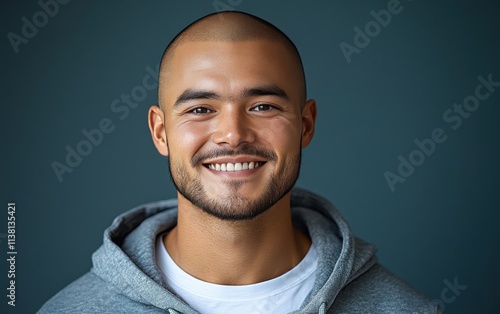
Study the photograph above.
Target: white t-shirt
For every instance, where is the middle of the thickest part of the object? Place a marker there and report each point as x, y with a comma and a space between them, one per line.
282, 294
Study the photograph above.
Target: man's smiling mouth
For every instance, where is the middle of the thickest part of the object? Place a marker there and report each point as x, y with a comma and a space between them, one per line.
233, 167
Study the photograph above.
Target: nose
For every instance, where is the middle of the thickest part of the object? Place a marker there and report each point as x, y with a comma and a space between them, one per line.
233, 127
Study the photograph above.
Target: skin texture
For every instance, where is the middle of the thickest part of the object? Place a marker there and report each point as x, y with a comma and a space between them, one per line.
239, 230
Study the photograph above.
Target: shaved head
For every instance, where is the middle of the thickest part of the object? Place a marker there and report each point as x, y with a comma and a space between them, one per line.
230, 26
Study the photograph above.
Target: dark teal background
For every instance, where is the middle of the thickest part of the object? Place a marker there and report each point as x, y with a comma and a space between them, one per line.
440, 224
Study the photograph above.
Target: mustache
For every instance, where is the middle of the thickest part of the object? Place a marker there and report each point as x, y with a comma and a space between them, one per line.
225, 152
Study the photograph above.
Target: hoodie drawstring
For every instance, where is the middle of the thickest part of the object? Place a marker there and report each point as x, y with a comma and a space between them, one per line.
322, 308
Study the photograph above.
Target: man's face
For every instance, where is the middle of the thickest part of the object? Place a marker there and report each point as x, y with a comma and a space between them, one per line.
233, 124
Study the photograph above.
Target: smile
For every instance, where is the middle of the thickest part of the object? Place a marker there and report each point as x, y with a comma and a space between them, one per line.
233, 167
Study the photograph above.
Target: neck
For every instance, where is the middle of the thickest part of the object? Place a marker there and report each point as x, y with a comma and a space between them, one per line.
236, 252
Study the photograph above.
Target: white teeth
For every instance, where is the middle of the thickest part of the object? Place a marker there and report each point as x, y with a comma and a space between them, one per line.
239, 166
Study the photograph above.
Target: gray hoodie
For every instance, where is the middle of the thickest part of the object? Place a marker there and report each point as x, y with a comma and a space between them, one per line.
125, 278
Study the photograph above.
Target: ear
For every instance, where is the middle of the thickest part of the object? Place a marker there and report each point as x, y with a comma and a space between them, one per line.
156, 121
308, 122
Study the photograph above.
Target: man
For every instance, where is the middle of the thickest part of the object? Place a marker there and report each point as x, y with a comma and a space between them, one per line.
233, 119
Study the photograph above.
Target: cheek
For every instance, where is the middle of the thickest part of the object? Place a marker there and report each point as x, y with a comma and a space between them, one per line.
187, 138
282, 134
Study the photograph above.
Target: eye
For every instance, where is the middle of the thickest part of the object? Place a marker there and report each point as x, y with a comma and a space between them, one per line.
201, 110
263, 107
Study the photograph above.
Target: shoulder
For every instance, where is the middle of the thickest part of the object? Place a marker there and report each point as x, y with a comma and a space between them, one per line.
380, 291
91, 294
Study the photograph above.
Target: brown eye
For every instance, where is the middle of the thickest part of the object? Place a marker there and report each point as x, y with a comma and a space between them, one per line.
201, 110
263, 107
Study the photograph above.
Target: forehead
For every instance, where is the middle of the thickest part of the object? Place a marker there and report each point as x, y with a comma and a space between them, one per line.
229, 66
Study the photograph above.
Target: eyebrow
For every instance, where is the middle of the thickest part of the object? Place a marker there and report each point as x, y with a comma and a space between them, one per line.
193, 94
264, 90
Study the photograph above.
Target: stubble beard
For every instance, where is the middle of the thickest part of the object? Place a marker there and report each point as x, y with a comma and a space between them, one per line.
236, 207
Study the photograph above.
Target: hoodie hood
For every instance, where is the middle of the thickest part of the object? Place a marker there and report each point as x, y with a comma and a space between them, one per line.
127, 260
